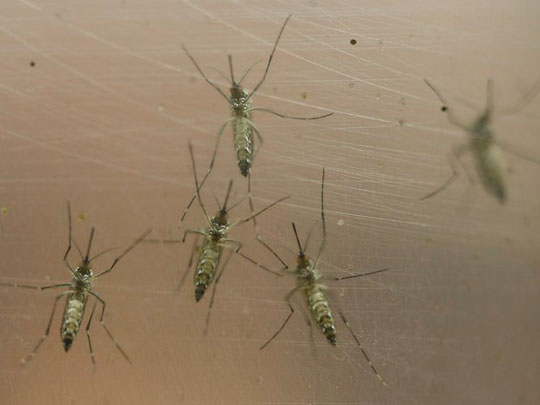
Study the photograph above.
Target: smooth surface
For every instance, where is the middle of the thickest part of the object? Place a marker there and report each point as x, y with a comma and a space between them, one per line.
103, 118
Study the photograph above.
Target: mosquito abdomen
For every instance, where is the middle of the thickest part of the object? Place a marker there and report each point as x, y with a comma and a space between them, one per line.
73, 313
206, 268
243, 144
491, 167
321, 311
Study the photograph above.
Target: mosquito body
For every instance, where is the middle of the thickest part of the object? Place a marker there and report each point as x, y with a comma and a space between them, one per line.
309, 280
486, 151
241, 109
215, 236
79, 291
216, 239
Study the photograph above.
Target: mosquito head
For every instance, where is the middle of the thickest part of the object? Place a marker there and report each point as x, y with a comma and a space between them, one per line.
222, 216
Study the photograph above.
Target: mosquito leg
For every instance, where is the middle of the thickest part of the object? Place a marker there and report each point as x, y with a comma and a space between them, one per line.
42, 339
255, 226
203, 75
125, 252
290, 116
259, 137
453, 160
269, 60
69, 230
88, 335
253, 261
190, 263
192, 231
360, 275
218, 139
446, 108
101, 320
35, 287
361, 348
214, 291
291, 309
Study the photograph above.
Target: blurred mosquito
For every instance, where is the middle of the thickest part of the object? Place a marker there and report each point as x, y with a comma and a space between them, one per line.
486, 151
241, 112
308, 280
79, 290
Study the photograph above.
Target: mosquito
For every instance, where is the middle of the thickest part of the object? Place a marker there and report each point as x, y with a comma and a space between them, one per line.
308, 280
486, 151
79, 290
241, 112
215, 237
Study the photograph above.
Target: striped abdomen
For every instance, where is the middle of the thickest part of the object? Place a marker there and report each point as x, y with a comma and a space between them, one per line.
490, 166
73, 313
321, 311
243, 143
206, 267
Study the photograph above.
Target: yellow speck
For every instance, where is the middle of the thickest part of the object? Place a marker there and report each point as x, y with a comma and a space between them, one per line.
303, 95
81, 216
4, 210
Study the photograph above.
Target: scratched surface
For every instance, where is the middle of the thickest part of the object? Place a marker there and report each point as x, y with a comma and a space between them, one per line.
97, 103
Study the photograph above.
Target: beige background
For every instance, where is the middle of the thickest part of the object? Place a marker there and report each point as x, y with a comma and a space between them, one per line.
104, 117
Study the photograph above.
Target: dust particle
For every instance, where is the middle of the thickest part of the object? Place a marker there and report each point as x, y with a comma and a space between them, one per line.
341, 222
444, 108
3, 210
353, 41
32, 63
303, 95
81, 216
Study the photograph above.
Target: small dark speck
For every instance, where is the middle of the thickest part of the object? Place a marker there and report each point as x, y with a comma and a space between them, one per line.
32, 63
353, 41
444, 108
351, 85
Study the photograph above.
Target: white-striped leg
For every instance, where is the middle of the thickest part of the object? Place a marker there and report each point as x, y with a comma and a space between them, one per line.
101, 320
362, 348
42, 339
214, 291
88, 335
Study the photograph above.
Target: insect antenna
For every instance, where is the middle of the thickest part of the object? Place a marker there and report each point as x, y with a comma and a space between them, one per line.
269, 60
323, 242
301, 252
217, 201
249, 70
222, 74
69, 231
309, 236
89, 244
237, 203
101, 253
231, 69
224, 209
78, 249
